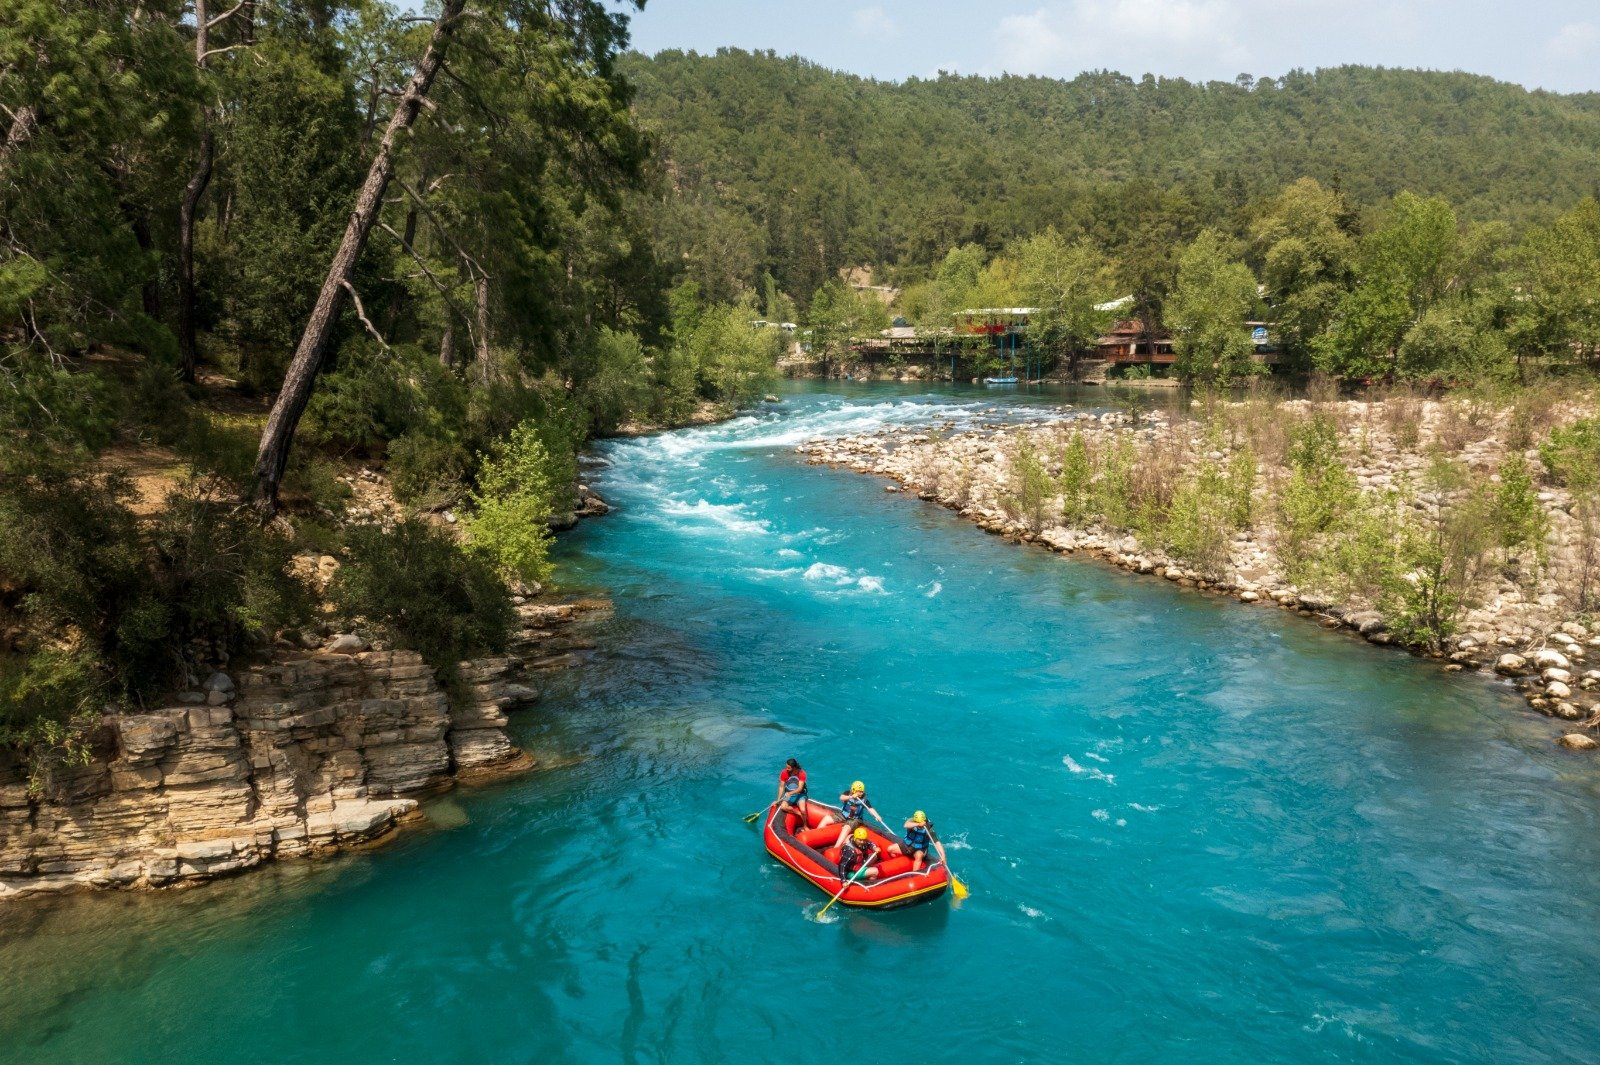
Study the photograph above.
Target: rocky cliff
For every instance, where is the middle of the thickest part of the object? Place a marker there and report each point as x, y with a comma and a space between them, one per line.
294, 756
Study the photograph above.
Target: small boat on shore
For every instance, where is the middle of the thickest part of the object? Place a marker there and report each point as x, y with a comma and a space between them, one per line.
999, 380
810, 852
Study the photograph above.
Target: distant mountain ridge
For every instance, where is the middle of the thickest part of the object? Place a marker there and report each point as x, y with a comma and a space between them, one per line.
806, 169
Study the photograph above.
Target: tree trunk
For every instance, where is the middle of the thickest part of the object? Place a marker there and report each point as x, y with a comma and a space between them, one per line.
447, 347
22, 127
298, 382
188, 209
484, 366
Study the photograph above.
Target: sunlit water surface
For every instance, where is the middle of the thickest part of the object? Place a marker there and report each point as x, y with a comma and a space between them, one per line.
1193, 830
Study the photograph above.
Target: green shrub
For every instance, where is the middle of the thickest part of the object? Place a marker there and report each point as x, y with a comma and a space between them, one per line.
419, 589
428, 471
1031, 486
49, 704
1240, 487
1077, 475
1198, 526
314, 479
45, 408
1571, 455
519, 486
1518, 518
224, 578
614, 388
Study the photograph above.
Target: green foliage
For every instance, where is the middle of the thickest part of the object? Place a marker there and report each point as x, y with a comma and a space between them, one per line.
77, 565
1198, 524
1076, 481
1239, 488
1031, 486
1517, 517
1443, 551
49, 704
1317, 501
223, 578
1307, 250
426, 471
419, 589
1113, 490
1571, 455
1214, 297
518, 490
838, 313
1065, 281
616, 382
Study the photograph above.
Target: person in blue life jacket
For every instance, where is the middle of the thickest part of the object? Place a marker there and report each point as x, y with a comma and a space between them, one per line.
854, 806
792, 791
857, 851
919, 837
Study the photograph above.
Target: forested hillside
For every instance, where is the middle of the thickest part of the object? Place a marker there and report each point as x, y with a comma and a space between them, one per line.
784, 166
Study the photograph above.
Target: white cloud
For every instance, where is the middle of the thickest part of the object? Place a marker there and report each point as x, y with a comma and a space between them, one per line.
1129, 35
1576, 40
873, 22
1026, 44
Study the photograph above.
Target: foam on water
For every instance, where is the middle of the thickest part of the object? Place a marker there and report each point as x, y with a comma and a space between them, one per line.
1089, 771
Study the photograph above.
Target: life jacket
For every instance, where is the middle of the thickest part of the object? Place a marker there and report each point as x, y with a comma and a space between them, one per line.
854, 807
794, 785
917, 837
853, 857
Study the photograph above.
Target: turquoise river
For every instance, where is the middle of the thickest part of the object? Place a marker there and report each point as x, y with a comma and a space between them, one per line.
1194, 831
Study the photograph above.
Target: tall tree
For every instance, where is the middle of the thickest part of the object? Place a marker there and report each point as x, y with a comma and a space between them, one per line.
1306, 256
272, 457
1064, 282
1207, 311
206, 47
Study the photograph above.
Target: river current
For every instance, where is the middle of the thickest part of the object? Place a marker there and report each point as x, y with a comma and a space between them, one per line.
1193, 830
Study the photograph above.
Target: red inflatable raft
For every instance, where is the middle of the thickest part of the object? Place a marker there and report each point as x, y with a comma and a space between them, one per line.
810, 851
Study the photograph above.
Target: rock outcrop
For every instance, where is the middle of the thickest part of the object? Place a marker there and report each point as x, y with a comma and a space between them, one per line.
287, 758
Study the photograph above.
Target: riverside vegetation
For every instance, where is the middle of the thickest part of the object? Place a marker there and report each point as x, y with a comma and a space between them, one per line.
422, 234
1467, 528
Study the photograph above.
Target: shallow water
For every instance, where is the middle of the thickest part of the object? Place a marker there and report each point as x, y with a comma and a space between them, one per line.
1193, 830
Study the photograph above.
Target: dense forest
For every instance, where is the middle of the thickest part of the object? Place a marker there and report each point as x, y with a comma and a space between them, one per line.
248, 250
787, 167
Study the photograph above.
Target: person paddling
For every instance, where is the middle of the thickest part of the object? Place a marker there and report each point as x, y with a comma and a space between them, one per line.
792, 791
858, 850
919, 836
853, 809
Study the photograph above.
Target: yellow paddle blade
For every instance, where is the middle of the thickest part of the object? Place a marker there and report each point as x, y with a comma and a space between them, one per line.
753, 816
957, 888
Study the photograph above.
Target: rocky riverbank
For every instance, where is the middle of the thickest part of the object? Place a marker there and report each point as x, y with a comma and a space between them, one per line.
1519, 622
313, 751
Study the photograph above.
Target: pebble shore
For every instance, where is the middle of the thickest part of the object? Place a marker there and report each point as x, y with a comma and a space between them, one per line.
1521, 629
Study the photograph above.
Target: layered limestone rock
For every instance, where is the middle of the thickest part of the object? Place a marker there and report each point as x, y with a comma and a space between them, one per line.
293, 757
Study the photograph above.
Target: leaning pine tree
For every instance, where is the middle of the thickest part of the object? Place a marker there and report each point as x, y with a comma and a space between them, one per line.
273, 456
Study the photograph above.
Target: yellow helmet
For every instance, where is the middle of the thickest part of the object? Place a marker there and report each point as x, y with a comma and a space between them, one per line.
858, 788
920, 818
860, 835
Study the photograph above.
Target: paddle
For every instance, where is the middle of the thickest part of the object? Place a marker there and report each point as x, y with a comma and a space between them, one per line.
848, 881
753, 816
957, 888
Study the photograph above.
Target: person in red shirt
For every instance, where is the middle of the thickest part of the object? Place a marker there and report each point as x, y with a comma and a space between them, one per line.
792, 791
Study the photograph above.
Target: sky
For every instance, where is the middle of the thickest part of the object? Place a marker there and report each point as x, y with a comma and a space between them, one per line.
1549, 44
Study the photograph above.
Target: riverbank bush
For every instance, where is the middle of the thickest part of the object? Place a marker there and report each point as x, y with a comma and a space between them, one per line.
519, 486
419, 589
